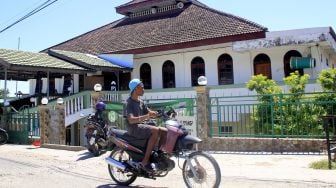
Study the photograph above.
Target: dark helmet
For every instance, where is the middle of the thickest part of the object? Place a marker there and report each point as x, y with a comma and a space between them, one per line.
100, 106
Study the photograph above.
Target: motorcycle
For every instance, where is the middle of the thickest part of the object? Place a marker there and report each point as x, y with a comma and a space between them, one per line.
199, 168
96, 135
3, 136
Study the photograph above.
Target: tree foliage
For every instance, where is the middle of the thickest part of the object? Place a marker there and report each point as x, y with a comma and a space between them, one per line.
327, 80
296, 83
285, 114
2, 93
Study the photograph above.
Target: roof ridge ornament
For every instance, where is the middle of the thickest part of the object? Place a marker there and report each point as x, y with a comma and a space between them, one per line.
180, 5
154, 10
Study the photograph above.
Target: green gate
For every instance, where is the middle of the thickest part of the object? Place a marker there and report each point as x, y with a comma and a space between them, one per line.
22, 126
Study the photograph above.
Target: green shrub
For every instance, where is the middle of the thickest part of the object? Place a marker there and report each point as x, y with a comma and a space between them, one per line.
322, 165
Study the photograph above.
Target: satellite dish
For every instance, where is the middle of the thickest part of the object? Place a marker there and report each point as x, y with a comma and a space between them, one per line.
180, 5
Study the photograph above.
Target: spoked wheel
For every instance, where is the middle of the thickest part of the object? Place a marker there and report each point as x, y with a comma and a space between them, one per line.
201, 170
121, 177
3, 137
93, 146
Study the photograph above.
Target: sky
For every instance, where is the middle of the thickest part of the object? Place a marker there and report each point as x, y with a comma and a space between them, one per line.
66, 19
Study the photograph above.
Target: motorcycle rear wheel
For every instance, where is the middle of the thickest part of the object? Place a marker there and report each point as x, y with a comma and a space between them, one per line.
3, 137
93, 148
206, 167
121, 177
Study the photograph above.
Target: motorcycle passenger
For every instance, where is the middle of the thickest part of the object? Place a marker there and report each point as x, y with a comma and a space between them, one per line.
136, 113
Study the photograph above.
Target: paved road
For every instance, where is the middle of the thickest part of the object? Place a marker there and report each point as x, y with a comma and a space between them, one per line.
31, 167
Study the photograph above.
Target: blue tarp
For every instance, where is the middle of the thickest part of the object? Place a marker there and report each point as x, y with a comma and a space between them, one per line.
123, 62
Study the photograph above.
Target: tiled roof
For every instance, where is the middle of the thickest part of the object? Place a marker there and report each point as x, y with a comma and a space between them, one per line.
85, 60
30, 60
21, 65
133, 2
138, 5
194, 25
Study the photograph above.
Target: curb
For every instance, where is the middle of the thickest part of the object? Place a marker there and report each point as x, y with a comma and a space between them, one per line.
63, 147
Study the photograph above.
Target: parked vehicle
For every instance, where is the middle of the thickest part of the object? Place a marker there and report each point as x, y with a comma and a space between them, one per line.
3, 136
96, 129
199, 168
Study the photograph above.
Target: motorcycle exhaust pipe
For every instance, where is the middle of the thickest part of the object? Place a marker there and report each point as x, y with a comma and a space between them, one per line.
115, 163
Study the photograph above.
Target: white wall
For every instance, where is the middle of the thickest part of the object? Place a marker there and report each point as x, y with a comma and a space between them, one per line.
242, 63
316, 42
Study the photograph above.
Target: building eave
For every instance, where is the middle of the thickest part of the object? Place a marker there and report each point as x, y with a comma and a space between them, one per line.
192, 44
310, 36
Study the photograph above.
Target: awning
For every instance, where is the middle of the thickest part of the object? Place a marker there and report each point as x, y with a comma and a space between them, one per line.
124, 60
302, 62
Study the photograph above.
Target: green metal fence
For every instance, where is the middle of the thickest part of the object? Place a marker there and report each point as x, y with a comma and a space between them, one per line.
184, 106
22, 125
283, 115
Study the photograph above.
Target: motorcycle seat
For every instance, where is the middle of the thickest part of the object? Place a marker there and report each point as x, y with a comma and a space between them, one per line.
123, 134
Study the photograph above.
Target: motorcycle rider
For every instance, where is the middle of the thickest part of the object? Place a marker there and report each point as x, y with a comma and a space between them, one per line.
136, 113
100, 107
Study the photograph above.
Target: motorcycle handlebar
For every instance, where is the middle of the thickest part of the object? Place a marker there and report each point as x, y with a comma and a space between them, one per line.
166, 114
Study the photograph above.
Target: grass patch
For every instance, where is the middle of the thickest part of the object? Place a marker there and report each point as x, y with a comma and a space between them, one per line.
322, 165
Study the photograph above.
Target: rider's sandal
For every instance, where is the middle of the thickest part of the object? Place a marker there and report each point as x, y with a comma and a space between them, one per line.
150, 167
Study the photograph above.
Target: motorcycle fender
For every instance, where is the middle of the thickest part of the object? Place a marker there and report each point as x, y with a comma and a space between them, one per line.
89, 126
188, 141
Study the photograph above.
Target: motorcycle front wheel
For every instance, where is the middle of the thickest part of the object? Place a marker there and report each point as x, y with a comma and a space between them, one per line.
3, 137
201, 170
121, 177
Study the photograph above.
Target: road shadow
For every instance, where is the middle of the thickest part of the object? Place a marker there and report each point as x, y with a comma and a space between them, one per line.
32, 148
88, 155
119, 186
84, 156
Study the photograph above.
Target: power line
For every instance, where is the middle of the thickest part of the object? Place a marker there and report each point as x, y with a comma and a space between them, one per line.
21, 13
36, 10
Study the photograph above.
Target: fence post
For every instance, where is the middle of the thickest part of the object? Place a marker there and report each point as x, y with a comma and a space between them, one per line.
86, 100
272, 113
327, 121
96, 97
4, 120
202, 112
2, 117
52, 123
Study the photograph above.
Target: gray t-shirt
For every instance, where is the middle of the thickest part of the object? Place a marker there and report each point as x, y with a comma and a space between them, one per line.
136, 108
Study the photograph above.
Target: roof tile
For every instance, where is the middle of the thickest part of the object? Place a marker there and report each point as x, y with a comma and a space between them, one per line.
30, 59
194, 23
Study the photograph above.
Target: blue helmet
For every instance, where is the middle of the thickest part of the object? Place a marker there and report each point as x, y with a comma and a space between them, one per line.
133, 84
100, 106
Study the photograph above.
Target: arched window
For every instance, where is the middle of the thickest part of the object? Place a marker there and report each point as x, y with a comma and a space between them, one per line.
225, 69
197, 70
168, 75
146, 75
288, 55
262, 65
